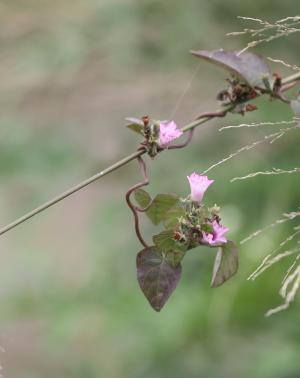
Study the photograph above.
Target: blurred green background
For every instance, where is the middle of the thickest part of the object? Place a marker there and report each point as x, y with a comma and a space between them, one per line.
71, 71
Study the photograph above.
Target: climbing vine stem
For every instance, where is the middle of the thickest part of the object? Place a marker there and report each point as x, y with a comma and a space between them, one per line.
134, 208
287, 83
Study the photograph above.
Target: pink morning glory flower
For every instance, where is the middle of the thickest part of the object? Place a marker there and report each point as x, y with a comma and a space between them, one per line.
217, 236
168, 131
199, 185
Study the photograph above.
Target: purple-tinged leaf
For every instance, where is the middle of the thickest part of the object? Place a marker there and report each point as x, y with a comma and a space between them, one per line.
250, 67
156, 276
226, 264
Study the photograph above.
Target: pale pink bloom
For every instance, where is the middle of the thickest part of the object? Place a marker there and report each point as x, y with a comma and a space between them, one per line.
217, 236
199, 185
168, 131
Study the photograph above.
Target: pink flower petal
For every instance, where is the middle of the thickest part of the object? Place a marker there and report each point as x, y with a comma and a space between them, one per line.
199, 185
168, 131
217, 237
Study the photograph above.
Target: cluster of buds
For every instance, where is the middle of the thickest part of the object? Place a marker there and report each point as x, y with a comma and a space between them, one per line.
200, 225
238, 92
158, 134
151, 134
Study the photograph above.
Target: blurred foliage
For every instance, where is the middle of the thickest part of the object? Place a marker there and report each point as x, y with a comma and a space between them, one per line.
71, 71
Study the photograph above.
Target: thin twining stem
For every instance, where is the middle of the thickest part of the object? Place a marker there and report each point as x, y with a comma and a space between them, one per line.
118, 164
185, 143
219, 113
132, 206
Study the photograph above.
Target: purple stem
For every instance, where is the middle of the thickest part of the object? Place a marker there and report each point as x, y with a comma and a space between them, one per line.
184, 144
221, 113
133, 208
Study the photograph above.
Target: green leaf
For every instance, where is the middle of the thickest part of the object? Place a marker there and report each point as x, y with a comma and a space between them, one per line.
250, 67
142, 198
156, 276
226, 264
166, 243
136, 125
175, 257
160, 206
172, 216
137, 128
295, 105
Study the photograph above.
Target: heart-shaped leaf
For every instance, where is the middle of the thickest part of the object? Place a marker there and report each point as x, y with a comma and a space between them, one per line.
226, 264
161, 204
250, 67
136, 125
159, 207
156, 276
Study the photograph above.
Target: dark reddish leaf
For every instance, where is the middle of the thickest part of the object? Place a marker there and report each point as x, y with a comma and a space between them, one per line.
250, 67
156, 276
226, 264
